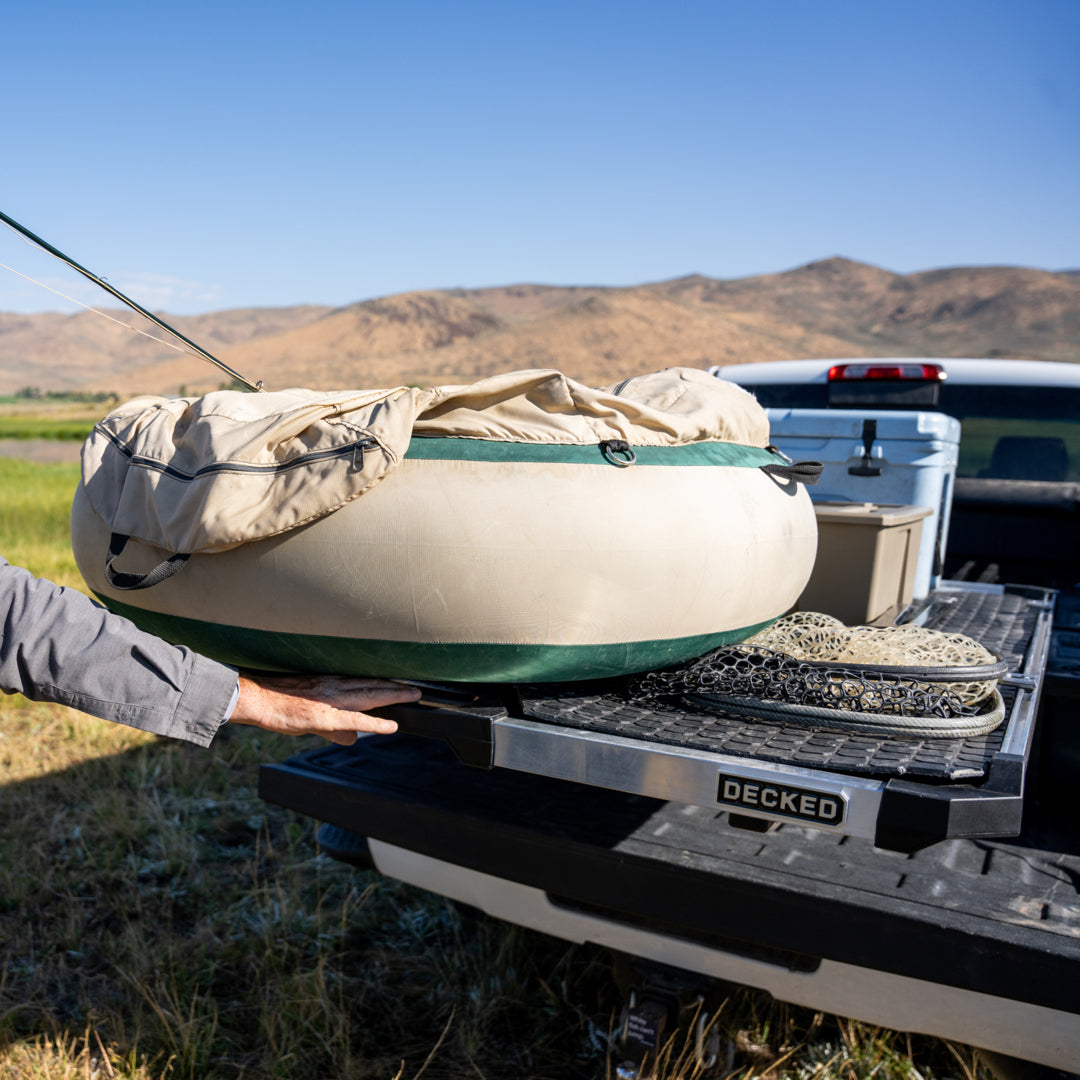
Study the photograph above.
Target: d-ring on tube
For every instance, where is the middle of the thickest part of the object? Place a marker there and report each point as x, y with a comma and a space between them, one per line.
618, 452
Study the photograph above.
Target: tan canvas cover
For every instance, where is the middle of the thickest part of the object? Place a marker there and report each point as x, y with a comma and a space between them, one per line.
207, 473
665, 408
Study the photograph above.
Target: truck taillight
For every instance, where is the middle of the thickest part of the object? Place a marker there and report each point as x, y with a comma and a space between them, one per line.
857, 372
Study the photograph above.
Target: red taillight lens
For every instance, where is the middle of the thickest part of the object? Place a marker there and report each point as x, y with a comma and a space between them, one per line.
856, 372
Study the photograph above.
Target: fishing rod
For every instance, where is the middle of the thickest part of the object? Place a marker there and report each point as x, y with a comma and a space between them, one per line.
198, 349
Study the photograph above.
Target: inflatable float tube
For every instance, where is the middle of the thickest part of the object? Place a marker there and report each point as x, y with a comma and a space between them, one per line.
485, 561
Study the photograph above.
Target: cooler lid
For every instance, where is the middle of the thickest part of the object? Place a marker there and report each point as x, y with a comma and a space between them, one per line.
921, 426
880, 515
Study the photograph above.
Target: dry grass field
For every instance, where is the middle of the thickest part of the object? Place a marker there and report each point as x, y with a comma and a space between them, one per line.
157, 920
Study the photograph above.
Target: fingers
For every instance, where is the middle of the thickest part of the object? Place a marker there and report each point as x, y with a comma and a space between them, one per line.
362, 723
342, 738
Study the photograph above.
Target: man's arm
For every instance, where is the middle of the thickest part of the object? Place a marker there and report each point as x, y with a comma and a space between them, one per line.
58, 645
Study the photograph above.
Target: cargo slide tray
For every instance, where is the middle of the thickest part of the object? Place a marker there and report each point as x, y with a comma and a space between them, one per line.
901, 793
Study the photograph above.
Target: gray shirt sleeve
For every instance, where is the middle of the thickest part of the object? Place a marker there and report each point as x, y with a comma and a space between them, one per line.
58, 645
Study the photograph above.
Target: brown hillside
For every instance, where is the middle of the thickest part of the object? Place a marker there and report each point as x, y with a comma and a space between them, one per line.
972, 311
75, 352
834, 307
599, 338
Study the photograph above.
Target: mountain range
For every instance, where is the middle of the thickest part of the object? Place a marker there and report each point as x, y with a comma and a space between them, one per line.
830, 308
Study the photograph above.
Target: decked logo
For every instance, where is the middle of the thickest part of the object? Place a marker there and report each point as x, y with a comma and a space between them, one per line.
781, 800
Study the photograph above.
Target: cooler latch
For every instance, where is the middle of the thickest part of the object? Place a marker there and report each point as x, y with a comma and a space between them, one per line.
865, 467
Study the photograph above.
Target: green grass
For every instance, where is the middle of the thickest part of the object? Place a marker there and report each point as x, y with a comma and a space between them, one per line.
158, 920
35, 507
20, 427
63, 418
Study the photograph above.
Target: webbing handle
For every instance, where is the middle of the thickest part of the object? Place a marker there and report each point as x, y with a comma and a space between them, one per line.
125, 582
803, 472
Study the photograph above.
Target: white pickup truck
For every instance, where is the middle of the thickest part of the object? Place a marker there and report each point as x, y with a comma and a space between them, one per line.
945, 899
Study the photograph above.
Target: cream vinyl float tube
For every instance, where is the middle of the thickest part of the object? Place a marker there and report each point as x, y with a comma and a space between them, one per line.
525, 528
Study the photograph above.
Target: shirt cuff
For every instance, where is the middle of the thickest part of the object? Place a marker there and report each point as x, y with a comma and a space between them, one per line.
232, 702
202, 710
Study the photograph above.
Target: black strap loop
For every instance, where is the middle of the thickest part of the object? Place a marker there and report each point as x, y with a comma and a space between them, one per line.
803, 472
618, 452
125, 582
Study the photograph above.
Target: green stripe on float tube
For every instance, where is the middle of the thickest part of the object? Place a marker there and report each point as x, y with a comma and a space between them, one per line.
447, 448
495, 662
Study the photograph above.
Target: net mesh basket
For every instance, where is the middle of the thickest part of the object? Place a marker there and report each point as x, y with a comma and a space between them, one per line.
810, 667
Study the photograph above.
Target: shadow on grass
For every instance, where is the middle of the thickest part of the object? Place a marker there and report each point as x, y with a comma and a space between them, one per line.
158, 916
157, 919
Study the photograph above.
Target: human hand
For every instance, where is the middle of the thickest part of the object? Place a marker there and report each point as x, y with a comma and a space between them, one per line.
328, 705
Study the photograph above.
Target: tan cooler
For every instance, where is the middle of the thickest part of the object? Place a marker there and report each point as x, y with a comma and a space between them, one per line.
866, 559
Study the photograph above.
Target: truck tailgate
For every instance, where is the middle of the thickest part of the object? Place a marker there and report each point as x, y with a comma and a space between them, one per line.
961, 927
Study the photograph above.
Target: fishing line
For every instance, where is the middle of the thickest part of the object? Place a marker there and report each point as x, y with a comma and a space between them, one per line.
98, 311
198, 350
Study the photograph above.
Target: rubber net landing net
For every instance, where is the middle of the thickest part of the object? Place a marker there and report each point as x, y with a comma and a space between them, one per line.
811, 668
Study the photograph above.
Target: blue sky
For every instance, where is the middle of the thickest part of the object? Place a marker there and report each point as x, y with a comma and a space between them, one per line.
213, 155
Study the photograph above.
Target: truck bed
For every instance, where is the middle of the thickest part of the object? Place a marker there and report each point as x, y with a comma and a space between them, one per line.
953, 932
976, 940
